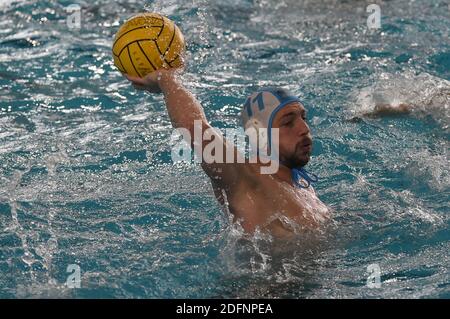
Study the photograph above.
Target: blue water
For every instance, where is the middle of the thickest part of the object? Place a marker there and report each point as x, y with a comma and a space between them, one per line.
86, 176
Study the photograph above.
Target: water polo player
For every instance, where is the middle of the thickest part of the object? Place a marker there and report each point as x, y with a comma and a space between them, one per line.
276, 202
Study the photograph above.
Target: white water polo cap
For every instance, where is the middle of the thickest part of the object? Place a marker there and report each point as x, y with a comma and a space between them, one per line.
260, 110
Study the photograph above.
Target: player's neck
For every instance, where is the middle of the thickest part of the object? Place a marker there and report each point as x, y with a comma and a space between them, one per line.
284, 173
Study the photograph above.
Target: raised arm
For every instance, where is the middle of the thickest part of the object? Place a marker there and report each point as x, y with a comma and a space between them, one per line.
184, 109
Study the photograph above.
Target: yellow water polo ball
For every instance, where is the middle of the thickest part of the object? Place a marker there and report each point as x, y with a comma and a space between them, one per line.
147, 42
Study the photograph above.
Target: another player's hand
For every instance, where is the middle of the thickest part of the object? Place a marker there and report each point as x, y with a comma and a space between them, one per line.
152, 82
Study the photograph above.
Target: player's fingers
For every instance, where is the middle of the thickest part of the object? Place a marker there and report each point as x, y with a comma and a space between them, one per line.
135, 80
139, 87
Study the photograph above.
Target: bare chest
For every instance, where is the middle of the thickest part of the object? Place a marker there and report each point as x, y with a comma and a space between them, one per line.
268, 203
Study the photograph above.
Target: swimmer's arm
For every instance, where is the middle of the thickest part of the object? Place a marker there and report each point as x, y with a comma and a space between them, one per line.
184, 109
389, 109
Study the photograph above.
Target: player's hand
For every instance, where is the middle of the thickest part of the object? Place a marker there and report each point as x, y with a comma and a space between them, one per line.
152, 81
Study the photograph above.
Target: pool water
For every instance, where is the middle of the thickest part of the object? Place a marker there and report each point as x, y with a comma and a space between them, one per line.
86, 176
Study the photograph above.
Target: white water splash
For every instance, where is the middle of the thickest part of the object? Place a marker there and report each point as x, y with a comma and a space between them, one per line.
421, 93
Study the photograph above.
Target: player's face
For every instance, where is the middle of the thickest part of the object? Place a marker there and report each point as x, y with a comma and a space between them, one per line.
295, 141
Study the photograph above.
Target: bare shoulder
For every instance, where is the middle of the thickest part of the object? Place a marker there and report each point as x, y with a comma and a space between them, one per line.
231, 175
